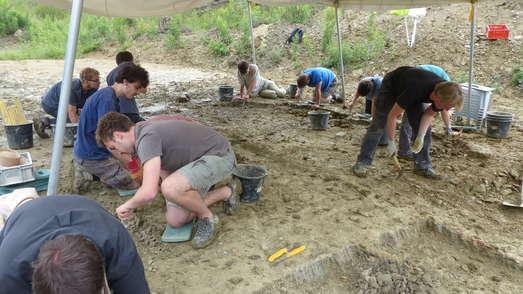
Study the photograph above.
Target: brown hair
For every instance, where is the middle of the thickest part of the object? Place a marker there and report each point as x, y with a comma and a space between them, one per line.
124, 56
450, 92
68, 264
89, 74
133, 73
302, 81
364, 87
243, 66
110, 123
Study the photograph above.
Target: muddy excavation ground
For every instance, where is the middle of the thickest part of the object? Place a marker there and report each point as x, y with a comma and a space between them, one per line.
388, 233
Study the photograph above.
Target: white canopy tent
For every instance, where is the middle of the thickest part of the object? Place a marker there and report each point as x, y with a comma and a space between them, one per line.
140, 8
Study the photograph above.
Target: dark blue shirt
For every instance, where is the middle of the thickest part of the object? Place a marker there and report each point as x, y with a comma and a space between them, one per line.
100, 103
376, 86
38, 221
126, 105
320, 74
78, 97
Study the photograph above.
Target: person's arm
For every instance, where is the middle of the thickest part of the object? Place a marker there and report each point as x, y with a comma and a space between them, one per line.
426, 121
373, 106
133, 282
72, 112
242, 90
298, 92
317, 93
354, 99
445, 117
147, 191
394, 113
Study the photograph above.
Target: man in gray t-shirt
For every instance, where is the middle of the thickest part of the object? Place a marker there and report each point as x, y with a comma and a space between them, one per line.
187, 158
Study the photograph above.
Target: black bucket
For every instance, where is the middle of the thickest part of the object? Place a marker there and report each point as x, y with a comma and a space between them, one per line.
498, 124
319, 119
69, 134
252, 178
19, 136
292, 90
226, 93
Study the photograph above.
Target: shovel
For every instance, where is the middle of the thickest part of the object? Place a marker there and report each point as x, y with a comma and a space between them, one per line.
520, 204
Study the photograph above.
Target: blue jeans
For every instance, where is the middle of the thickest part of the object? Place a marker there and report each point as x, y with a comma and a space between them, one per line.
377, 129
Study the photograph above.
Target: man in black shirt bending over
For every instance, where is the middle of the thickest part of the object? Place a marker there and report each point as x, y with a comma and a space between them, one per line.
408, 89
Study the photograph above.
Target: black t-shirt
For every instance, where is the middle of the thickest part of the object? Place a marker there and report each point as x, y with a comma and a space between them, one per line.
43, 219
412, 86
77, 98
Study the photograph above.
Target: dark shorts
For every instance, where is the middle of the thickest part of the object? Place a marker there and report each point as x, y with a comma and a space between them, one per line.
109, 171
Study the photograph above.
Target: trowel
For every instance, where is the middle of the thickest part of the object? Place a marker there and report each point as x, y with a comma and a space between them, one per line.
520, 204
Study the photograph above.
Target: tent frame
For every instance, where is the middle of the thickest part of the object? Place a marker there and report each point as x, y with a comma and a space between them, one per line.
72, 39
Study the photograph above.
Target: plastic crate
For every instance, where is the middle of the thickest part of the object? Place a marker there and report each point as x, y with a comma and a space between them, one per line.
497, 31
19, 173
479, 104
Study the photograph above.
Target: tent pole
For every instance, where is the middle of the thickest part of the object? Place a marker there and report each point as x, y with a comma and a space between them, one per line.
253, 50
471, 56
340, 50
65, 91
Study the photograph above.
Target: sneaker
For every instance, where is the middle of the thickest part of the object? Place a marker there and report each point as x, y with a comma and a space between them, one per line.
408, 156
360, 169
428, 173
206, 229
231, 204
81, 178
40, 124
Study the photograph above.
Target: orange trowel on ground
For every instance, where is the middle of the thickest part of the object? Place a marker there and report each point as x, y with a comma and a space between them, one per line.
520, 204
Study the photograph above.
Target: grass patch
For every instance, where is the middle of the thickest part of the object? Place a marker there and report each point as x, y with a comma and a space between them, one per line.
517, 78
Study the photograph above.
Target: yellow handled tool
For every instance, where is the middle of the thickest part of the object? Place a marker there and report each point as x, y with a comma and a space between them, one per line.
288, 253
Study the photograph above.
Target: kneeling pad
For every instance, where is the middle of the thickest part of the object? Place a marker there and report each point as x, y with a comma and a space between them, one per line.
174, 235
126, 193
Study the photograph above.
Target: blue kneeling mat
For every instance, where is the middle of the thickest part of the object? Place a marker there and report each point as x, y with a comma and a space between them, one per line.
126, 193
174, 235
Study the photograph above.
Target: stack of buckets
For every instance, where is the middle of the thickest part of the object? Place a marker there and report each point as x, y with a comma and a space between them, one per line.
498, 124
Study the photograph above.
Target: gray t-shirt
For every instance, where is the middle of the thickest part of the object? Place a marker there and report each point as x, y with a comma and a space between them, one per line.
252, 74
178, 143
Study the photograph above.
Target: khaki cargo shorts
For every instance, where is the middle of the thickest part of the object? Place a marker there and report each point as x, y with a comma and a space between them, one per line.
207, 171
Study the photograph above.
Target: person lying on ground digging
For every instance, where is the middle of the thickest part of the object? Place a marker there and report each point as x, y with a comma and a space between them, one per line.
97, 160
252, 84
323, 81
407, 89
81, 89
127, 106
65, 244
187, 158
370, 88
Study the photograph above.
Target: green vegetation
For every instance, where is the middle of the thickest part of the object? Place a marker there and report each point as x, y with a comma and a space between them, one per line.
517, 77
358, 52
10, 19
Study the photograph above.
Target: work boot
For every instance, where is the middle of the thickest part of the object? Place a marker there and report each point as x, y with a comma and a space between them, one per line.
231, 204
40, 124
360, 169
407, 156
81, 178
428, 173
206, 230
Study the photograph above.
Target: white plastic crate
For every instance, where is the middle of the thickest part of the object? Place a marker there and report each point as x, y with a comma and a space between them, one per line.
479, 104
19, 173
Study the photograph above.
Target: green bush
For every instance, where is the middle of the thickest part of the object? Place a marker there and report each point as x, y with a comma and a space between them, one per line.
517, 78
173, 39
218, 48
43, 11
360, 51
10, 19
328, 29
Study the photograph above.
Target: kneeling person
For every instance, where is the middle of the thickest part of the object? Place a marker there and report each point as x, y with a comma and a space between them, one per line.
188, 159
253, 84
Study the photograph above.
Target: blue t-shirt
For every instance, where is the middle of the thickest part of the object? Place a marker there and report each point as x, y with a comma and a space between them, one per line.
100, 103
126, 105
436, 70
320, 74
376, 86
78, 97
